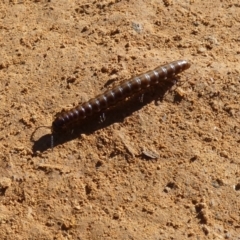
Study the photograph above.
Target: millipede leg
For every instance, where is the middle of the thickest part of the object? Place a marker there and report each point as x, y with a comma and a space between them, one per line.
52, 142
141, 98
102, 118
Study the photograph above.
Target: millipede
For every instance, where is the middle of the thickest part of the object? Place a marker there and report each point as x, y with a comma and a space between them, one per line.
113, 96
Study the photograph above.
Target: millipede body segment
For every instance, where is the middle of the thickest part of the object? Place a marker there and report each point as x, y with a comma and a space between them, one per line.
117, 94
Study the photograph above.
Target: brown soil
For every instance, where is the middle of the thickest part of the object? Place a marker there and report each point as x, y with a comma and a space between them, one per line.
162, 169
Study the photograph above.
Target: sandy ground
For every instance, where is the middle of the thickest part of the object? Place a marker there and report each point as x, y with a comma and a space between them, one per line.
166, 168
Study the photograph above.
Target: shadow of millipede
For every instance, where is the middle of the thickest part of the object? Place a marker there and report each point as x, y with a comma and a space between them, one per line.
115, 114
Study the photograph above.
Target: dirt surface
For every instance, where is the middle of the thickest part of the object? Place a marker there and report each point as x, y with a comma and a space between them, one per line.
164, 168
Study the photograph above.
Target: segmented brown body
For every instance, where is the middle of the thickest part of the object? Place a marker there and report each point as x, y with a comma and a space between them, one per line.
113, 96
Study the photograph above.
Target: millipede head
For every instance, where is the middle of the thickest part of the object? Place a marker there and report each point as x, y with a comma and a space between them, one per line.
58, 124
